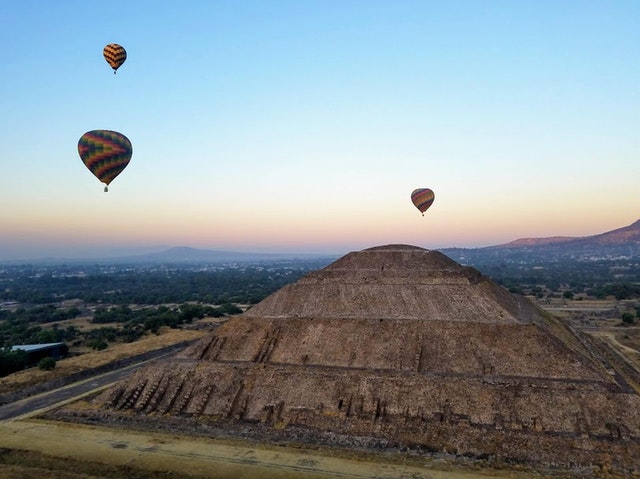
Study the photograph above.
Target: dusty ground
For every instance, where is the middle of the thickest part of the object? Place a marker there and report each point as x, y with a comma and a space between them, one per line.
601, 319
134, 454
588, 313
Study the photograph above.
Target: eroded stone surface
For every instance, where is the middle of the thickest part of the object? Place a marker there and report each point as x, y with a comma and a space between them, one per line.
405, 345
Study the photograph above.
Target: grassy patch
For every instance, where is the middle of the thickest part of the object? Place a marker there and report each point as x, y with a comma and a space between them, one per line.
20, 464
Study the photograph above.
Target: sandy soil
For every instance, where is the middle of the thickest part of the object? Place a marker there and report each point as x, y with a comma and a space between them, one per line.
207, 458
611, 337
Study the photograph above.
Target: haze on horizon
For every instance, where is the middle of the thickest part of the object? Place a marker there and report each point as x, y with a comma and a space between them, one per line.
304, 126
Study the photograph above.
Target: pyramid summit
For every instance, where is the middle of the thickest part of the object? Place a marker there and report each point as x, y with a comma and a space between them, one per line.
398, 346
395, 282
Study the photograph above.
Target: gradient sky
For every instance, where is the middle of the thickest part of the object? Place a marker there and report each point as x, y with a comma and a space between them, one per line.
303, 126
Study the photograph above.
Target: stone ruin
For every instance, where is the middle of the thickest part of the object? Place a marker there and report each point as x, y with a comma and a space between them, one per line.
398, 346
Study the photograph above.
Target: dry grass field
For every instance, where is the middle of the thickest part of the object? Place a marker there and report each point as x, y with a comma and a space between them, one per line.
49, 450
90, 359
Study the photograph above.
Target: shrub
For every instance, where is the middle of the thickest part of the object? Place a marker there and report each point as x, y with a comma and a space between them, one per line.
47, 364
628, 318
97, 344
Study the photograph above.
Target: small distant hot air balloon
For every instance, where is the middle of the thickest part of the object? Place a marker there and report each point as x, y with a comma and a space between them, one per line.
105, 153
422, 198
115, 55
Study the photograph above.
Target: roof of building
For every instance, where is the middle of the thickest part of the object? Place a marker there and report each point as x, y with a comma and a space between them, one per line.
35, 347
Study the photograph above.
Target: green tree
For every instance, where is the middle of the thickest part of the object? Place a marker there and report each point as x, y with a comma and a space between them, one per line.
47, 364
47, 336
12, 361
229, 308
628, 318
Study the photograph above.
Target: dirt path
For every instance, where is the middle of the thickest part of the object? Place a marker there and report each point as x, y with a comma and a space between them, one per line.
207, 458
609, 336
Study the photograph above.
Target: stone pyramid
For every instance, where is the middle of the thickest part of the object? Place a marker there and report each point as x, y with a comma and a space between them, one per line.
399, 346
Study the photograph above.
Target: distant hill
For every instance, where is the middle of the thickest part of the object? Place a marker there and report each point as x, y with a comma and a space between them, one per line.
621, 236
535, 241
619, 243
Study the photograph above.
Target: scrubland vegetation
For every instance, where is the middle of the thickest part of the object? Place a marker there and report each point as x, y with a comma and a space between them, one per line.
121, 304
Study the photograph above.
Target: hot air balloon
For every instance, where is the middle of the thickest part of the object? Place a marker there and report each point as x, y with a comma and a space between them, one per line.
106, 153
422, 198
115, 55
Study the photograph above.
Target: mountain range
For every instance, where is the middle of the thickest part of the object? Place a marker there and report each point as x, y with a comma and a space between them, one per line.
616, 243
621, 236
620, 243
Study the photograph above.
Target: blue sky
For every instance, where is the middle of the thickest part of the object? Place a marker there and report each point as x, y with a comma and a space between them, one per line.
305, 125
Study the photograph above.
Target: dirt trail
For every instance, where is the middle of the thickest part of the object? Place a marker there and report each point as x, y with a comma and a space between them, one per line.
610, 336
207, 458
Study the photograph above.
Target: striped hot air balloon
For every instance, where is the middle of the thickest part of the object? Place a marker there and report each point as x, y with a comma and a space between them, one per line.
105, 153
422, 198
115, 55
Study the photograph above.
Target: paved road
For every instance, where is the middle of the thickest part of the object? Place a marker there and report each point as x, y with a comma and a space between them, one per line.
40, 402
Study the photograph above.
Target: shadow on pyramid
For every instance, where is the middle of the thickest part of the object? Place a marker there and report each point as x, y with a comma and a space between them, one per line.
398, 347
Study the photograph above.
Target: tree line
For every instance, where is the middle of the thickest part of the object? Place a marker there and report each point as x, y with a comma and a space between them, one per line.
596, 279
112, 291
248, 285
24, 326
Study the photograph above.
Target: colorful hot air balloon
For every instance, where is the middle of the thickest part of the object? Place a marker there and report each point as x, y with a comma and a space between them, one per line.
422, 198
106, 153
115, 55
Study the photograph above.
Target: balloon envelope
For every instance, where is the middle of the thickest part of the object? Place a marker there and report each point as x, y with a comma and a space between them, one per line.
115, 55
422, 198
105, 153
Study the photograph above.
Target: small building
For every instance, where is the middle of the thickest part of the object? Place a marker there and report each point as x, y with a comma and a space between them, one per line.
36, 352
